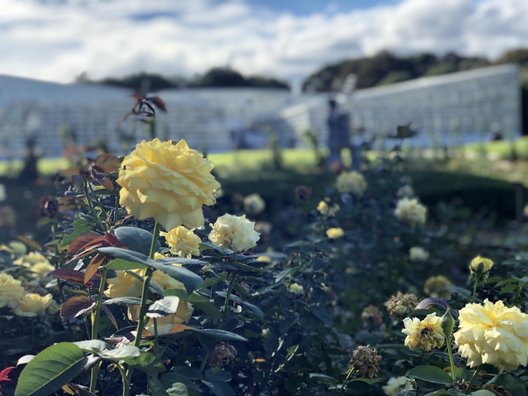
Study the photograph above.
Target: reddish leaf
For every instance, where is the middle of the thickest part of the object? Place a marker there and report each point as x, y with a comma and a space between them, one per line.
98, 260
81, 241
76, 306
159, 103
107, 183
110, 315
101, 241
68, 274
4, 374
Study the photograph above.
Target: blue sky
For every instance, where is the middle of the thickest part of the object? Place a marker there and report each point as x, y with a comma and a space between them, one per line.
59, 39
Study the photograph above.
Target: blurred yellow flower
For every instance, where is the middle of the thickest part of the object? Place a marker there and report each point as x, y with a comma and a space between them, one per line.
480, 265
335, 232
168, 182
32, 303
295, 288
425, 334
438, 286
410, 211
493, 334
327, 210
31, 259
351, 182
165, 324
418, 253
234, 232
10, 291
399, 386
129, 283
182, 242
42, 268
254, 204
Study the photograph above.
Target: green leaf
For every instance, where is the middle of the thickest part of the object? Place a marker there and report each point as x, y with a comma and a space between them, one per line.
177, 389
147, 362
91, 345
217, 333
50, 369
124, 265
122, 353
136, 239
482, 392
182, 261
125, 254
256, 310
319, 377
219, 388
430, 374
190, 280
510, 383
123, 300
165, 306
216, 374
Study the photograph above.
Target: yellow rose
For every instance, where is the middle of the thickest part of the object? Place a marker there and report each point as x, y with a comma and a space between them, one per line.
234, 232
165, 323
399, 386
334, 233
166, 181
31, 259
32, 303
351, 182
480, 265
493, 334
418, 253
410, 211
125, 284
425, 334
10, 291
254, 204
42, 268
438, 286
182, 242
327, 210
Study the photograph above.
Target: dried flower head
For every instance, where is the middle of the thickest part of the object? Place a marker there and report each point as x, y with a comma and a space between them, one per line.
372, 316
365, 360
223, 355
401, 304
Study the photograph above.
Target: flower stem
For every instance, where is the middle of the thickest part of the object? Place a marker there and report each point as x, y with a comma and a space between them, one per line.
143, 306
95, 327
451, 360
475, 288
228, 295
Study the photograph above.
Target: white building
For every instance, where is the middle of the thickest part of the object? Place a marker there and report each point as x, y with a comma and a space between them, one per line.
445, 109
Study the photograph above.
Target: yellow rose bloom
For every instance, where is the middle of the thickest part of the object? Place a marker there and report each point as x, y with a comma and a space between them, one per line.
418, 253
165, 323
42, 268
480, 265
125, 284
31, 304
425, 334
168, 182
335, 232
254, 204
410, 211
493, 334
31, 259
351, 182
438, 286
399, 386
10, 290
182, 242
327, 210
234, 232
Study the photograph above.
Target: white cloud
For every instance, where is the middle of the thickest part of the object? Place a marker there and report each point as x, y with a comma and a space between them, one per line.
57, 40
